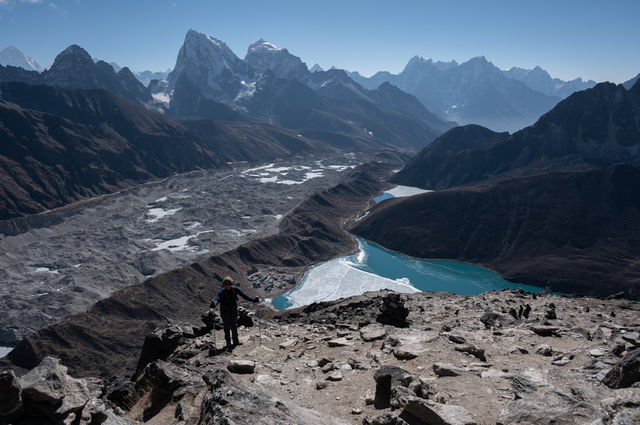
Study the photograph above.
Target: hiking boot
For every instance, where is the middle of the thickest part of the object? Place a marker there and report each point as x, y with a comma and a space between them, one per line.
237, 342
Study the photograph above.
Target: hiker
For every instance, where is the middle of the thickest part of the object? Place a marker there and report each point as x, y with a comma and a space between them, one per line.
227, 297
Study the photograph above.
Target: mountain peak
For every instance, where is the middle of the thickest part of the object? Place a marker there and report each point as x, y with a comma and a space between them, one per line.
263, 55
74, 51
14, 57
262, 44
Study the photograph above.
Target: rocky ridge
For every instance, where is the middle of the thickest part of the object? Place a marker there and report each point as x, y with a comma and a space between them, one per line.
503, 357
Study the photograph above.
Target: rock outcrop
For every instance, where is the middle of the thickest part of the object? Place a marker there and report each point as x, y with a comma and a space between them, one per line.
289, 369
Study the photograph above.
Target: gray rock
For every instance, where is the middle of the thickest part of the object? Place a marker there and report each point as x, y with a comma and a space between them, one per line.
386, 378
447, 369
405, 353
339, 342
241, 366
472, 350
456, 339
335, 376
626, 372
543, 350
546, 330
372, 332
418, 410
597, 352
621, 409
10, 393
545, 407
288, 343
328, 367
321, 385
45, 383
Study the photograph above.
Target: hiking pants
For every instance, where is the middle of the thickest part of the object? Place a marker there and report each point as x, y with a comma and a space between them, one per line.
230, 324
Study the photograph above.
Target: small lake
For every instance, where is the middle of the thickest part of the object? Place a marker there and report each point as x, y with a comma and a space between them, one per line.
374, 268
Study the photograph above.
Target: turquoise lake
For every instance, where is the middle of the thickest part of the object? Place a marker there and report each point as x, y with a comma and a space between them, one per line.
402, 273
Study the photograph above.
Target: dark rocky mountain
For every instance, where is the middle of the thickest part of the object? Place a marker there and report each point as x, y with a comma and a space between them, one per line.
16, 73
474, 92
64, 145
592, 128
209, 65
14, 57
74, 68
263, 55
273, 86
573, 232
539, 80
335, 108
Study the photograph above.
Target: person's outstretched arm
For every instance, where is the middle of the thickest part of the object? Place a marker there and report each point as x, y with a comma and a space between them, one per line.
245, 296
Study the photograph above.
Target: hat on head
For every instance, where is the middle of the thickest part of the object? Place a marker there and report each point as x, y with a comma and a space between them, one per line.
227, 280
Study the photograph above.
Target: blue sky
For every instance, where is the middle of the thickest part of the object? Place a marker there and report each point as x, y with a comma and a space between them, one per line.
592, 39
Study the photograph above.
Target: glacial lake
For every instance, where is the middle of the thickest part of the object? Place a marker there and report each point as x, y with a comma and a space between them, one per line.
374, 268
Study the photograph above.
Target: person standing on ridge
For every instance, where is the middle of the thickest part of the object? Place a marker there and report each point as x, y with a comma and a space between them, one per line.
227, 297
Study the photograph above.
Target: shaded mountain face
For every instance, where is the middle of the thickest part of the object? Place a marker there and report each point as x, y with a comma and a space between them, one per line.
475, 92
539, 80
263, 55
273, 86
75, 69
14, 57
573, 232
592, 128
63, 145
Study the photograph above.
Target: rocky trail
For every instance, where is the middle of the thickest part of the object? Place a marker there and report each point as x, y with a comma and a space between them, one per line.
380, 358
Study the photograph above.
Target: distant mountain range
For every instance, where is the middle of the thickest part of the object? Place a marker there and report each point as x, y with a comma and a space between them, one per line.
477, 92
591, 128
273, 86
556, 204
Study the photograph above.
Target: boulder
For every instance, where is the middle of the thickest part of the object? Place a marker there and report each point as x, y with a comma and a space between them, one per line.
546, 330
543, 350
405, 353
339, 342
288, 343
372, 332
472, 350
626, 372
241, 366
10, 393
334, 376
420, 411
447, 369
386, 378
393, 312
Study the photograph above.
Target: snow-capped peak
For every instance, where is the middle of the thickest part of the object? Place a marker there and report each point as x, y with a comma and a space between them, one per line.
14, 57
263, 45
263, 55
202, 58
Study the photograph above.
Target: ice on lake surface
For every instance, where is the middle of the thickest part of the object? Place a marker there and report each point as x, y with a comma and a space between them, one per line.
400, 192
374, 268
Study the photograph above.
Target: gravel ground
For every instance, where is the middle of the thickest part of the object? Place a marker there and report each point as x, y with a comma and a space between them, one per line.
122, 239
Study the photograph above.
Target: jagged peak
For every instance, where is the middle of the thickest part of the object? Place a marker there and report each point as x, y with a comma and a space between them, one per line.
263, 45
194, 36
74, 50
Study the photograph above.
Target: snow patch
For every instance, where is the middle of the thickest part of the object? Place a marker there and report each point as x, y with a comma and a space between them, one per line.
179, 244
403, 191
159, 213
4, 350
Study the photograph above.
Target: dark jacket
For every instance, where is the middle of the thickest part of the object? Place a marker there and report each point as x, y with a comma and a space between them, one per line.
228, 299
